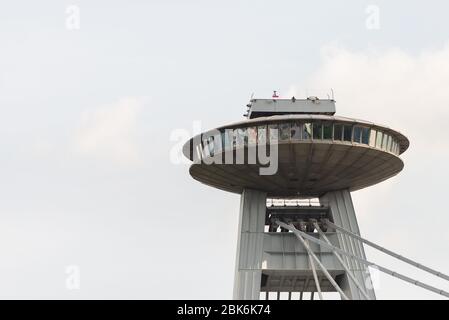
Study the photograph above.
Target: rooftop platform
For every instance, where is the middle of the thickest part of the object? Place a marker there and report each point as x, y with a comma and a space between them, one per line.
271, 107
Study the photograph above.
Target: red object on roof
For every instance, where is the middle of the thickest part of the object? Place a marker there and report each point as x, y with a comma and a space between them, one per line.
275, 94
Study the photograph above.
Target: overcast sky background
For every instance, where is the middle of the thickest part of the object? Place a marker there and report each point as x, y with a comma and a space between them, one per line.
86, 117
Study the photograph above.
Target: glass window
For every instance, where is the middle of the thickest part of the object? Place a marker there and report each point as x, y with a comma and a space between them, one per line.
347, 131
211, 146
284, 131
252, 136
365, 135
240, 135
357, 134
307, 131
218, 143
274, 132
262, 134
379, 139
206, 150
225, 136
338, 131
295, 131
327, 130
199, 152
233, 138
317, 130
389, 144
372, 139
384, 141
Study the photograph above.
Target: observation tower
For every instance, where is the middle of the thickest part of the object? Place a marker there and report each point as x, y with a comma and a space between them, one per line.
295, 163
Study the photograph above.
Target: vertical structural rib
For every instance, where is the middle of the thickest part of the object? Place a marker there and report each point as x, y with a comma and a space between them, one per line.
356, 282
248, 270
315, 277
341, 211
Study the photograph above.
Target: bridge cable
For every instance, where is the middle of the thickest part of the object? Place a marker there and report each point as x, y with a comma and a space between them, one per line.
391, 253
315, 277
350, 274
366, 262
326, 273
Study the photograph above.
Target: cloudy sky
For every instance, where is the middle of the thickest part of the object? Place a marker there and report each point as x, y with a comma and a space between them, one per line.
93, 202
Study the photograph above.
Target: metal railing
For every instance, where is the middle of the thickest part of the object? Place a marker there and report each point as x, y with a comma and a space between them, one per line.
295, 202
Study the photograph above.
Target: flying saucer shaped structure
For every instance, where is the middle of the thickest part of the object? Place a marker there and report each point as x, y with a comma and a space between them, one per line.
317, 153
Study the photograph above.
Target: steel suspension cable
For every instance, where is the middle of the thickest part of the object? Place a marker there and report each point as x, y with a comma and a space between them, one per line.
350, 274
385, 270
315, 277
326, 273
389, 252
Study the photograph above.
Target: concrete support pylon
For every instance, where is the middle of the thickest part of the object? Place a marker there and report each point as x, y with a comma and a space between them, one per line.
248, 271
343, 214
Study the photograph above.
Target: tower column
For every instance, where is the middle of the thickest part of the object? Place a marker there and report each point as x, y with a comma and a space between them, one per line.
248, 270
343, 214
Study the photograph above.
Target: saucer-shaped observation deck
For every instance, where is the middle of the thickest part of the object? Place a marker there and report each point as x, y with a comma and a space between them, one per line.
317, 153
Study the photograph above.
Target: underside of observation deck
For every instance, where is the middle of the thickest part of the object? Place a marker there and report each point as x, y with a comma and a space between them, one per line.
309, 169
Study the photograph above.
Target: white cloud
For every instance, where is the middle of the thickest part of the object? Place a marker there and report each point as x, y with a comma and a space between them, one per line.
108, 133
41, 147
405, 91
